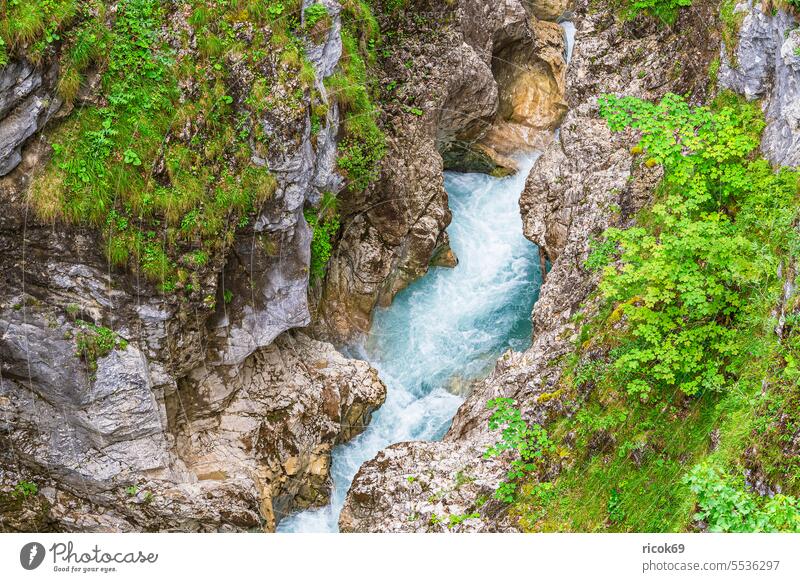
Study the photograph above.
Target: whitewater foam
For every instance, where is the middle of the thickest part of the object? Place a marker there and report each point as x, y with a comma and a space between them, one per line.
447, 328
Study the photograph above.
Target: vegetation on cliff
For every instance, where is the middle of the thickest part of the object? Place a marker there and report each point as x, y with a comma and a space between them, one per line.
684, 379
161, 158
363, 144
171, 106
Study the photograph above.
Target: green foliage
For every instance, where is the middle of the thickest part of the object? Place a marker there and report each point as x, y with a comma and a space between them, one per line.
33, 24
314, 14
325, 226
616, 513
531, 444
690, 294
731, 21
25, 489
601, 254
454, 520
167, 177
364, 144
725, 506
665, 10
94, 342
684, 282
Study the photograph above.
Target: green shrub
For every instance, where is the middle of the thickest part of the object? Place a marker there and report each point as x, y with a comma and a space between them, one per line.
725, 506
665, 10
684, 282
531, 443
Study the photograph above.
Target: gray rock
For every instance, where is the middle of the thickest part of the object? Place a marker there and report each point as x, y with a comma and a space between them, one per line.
24, 109
767, 67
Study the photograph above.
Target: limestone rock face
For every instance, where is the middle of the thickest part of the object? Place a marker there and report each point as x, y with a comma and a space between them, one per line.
767, 66
584, 182
202, 418
225, 450
487, 65
530, 76
26, 105
273, 422
551, 10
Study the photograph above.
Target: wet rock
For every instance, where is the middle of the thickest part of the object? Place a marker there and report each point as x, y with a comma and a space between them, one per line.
25, 106
530, 75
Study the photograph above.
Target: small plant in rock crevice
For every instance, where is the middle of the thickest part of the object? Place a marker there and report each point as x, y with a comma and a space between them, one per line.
325, 226
25, 489
94, 342
531, 443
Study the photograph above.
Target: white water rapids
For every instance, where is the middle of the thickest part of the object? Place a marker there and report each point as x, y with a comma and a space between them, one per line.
444, 329
447, 328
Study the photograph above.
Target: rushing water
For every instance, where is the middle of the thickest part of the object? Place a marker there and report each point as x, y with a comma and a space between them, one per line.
444, 329
447, 328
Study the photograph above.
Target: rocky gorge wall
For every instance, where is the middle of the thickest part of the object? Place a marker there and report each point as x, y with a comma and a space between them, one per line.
463, 81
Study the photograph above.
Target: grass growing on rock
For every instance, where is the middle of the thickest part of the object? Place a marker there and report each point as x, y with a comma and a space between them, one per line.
32, 26
160, 158
94, 342
363, 144
163, 163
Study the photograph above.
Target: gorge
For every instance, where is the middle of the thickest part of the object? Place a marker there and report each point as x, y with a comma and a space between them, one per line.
444, 330
277, 265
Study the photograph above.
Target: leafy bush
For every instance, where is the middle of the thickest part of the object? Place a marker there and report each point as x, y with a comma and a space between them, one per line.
531, 443
725, 506
684, 282
664, 10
